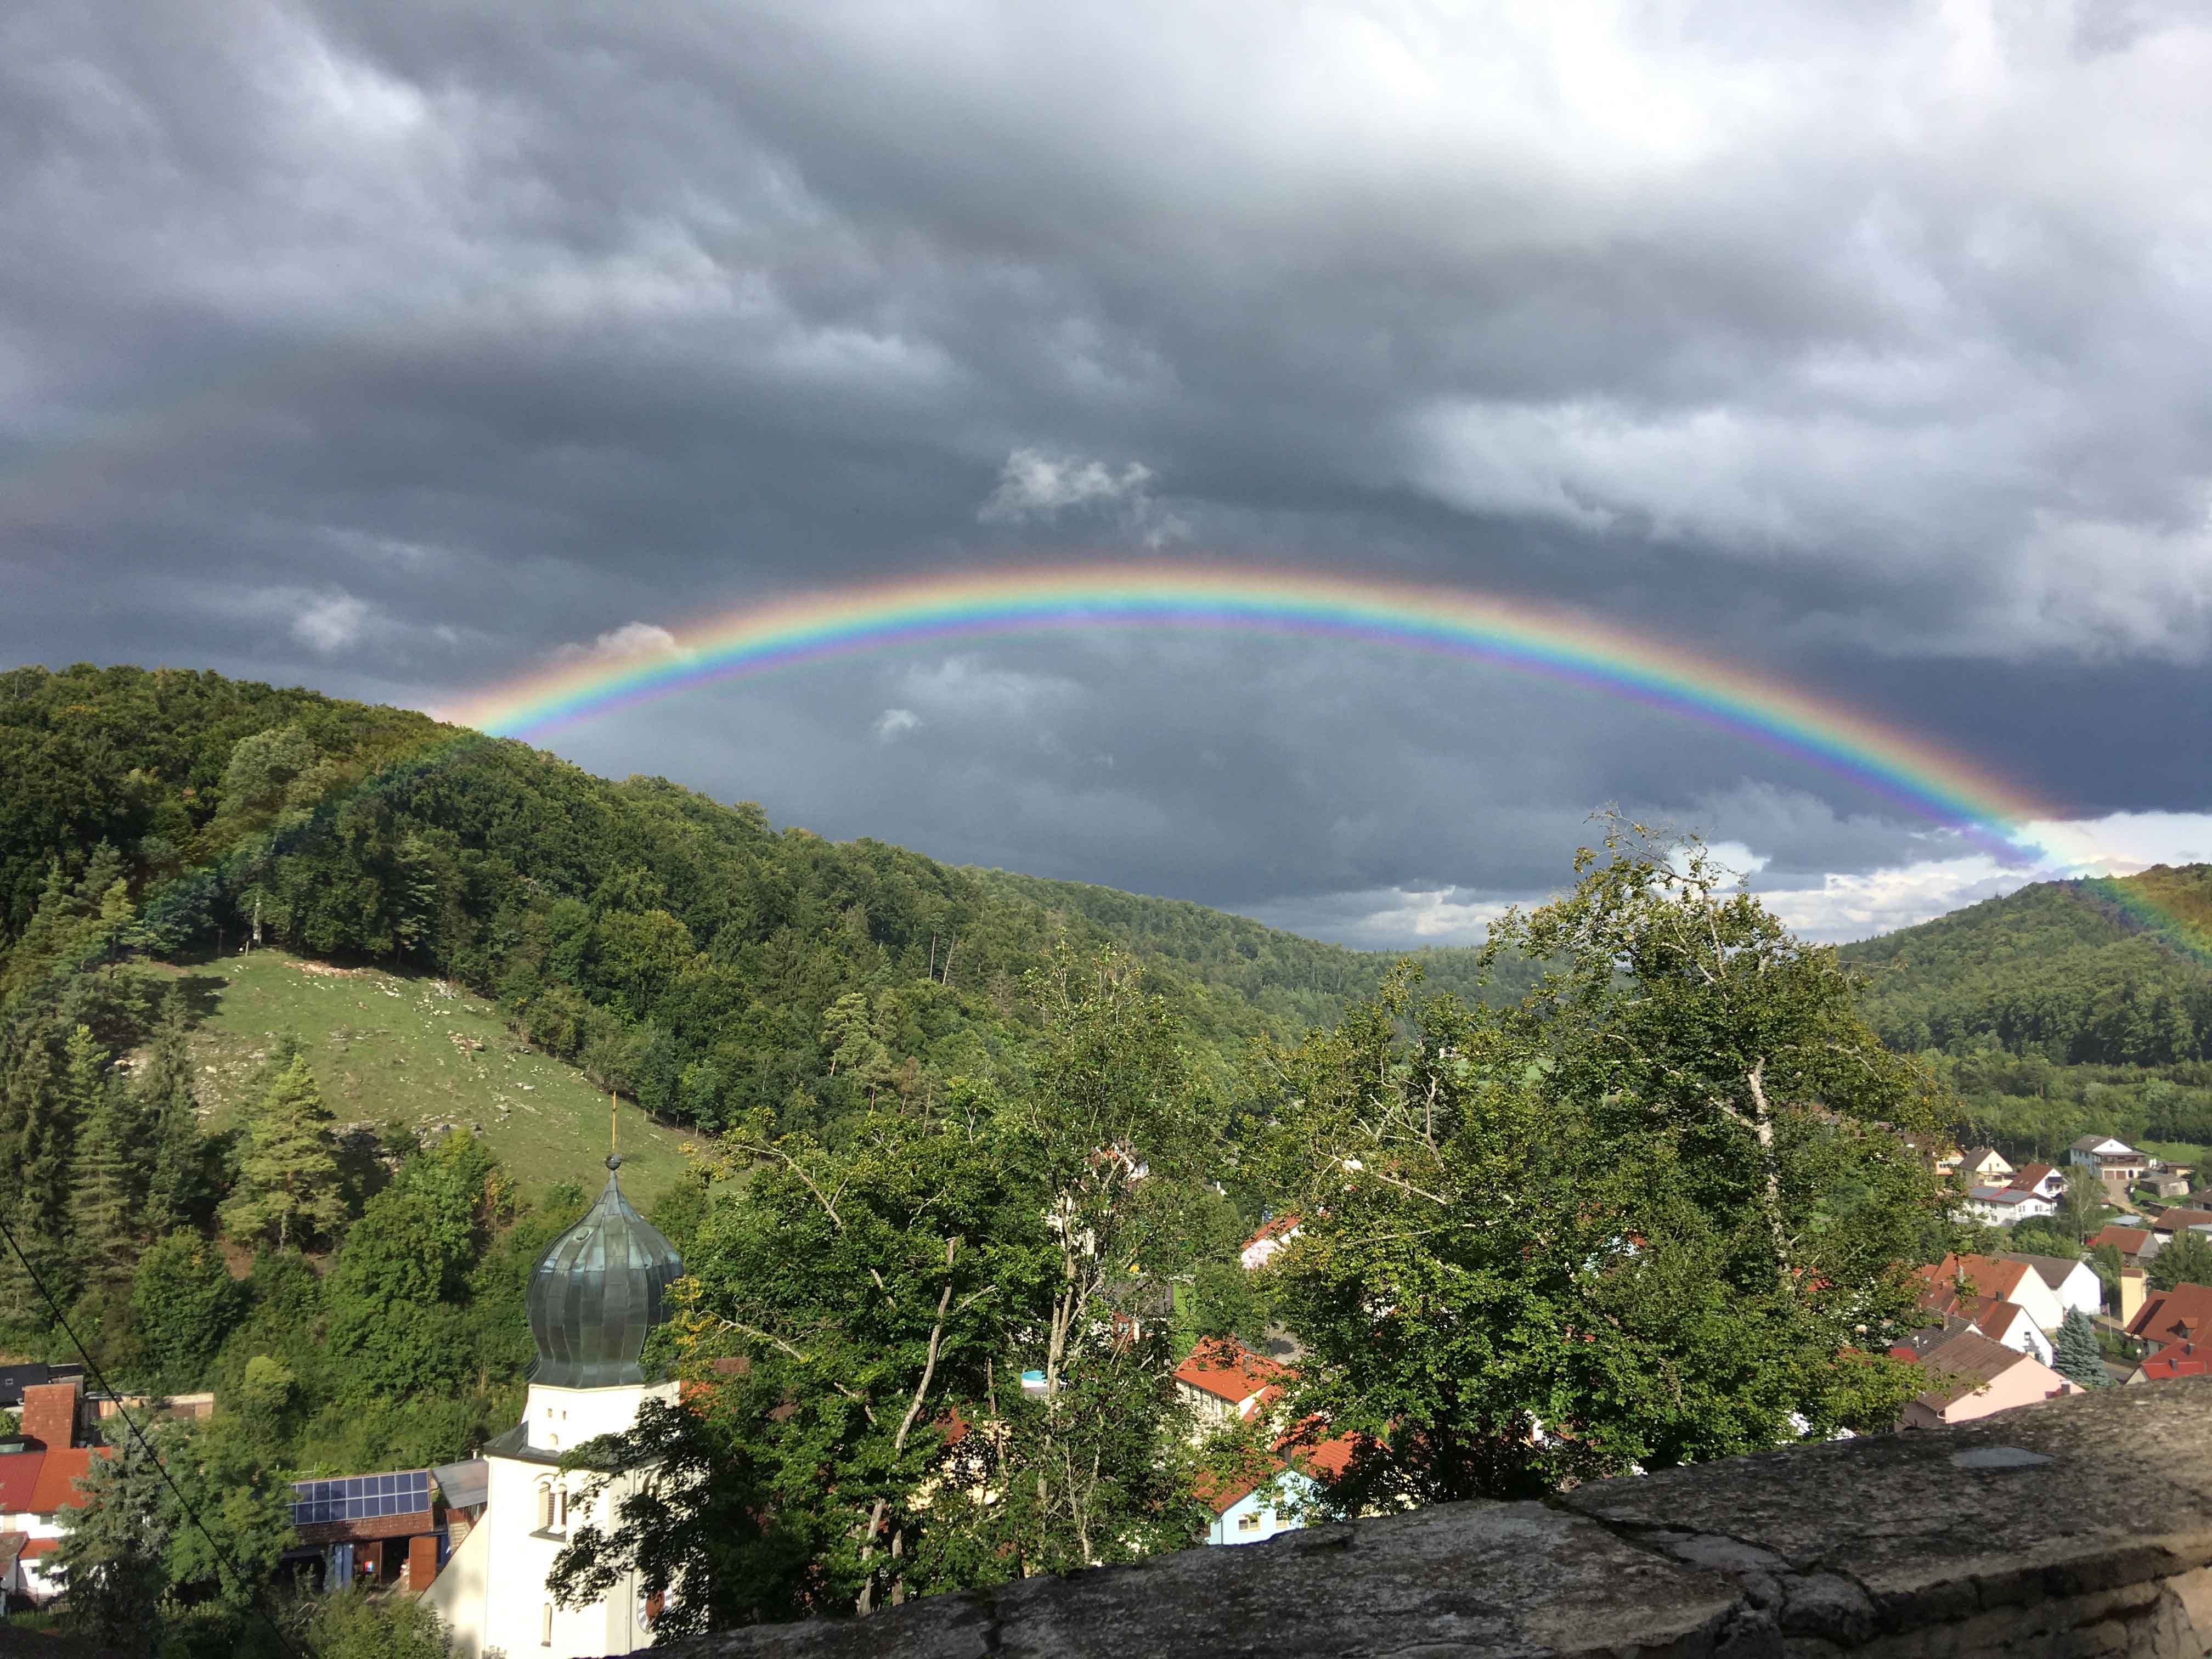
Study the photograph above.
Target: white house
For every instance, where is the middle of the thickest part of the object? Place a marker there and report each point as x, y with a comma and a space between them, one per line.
2007, 1279
2075, 1283
1251, 1511
2117, 1165
2003, 1206
38, 1473
1984, 1163
2009, 1322
594, 1297
1273, 1234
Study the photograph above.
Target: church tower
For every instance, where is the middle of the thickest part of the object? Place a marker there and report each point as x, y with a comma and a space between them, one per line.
595, 1297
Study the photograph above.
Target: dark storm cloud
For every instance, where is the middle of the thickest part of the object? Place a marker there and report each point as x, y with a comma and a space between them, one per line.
394, 348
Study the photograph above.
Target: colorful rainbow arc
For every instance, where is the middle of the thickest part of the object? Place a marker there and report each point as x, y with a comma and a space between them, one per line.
1906, 769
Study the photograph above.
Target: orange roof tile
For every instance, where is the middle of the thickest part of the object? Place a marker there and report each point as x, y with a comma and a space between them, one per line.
56, 1487
19, 1479
1274, 1229
2130, 1240
1219, 1494
1228, 1370
2161, 1318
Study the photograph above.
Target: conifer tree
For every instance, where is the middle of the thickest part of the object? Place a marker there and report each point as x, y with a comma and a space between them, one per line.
112, 1554
48, 1091
287, 1181
2078, 1359
102, 1206
169, 1111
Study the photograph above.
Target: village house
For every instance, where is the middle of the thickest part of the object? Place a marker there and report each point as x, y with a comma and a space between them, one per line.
1983, 1165
1973, 1376
2009, 1278
1253, 1507
2041, 1179
2168, 1224
2074, 1283
1224, 1382
2136, 1245
2003, 1206
40, 1468
1273, 1234
2178, 1325
2115, 1162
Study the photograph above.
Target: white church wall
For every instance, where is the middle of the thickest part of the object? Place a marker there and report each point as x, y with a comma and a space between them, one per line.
458, 1594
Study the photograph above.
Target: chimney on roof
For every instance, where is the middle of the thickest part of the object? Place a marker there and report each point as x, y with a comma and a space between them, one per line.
50, 1413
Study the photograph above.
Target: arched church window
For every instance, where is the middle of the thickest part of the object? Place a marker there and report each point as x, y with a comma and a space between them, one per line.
544, 1507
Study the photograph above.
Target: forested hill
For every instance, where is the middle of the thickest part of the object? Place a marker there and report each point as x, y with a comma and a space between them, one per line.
681, 950
2105, 972
1289, 978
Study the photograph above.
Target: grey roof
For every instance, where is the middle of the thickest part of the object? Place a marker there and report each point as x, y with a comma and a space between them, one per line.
597, 1293
466, 1485
2052, 1270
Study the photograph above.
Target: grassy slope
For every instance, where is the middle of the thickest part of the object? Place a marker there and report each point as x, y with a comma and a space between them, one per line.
390, 1049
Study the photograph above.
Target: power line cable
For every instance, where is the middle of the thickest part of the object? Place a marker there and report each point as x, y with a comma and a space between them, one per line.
91, 1368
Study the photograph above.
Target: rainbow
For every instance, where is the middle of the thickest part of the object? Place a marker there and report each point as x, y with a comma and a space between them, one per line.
1907, 769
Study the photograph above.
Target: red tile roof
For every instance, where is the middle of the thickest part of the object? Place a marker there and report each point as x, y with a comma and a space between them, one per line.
19, 1479
2182, 1359
1988, 1275
1228, 1370
2180, 1315
1326, 1461
56, 1487
1274, 1229
2130, 1240
2030, 1177
1221, 1493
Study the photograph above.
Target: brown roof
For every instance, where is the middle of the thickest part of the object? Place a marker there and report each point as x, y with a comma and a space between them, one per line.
2029, 1175
2176, 1218
2161, 1319
1972, 1362
2130, 1240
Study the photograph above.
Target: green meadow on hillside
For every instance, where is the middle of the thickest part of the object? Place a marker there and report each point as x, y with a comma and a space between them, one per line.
397, 1049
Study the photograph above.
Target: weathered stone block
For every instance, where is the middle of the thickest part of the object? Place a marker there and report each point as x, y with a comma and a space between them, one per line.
2015, 1537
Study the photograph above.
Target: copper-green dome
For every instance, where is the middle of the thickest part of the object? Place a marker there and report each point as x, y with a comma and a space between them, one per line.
597, 1293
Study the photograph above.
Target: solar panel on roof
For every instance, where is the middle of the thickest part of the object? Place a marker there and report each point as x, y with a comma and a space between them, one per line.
360, 1497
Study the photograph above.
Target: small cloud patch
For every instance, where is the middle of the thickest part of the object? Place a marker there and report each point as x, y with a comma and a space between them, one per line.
895, 723
1037, 487
632, 639
331, 622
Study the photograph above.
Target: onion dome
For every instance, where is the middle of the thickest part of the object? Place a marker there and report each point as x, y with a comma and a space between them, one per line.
597, 1293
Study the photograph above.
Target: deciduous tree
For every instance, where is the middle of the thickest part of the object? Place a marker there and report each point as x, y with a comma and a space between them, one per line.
1658, 1212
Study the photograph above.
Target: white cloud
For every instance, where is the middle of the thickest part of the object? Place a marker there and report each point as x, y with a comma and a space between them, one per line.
895, 723
331, 622
1034, 486
967, 687
1392, 918
632, 639
1848, 907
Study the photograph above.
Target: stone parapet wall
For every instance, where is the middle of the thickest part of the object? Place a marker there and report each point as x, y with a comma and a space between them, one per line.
2076, 1527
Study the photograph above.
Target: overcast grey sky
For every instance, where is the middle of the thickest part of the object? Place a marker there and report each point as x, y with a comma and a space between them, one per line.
394, 348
